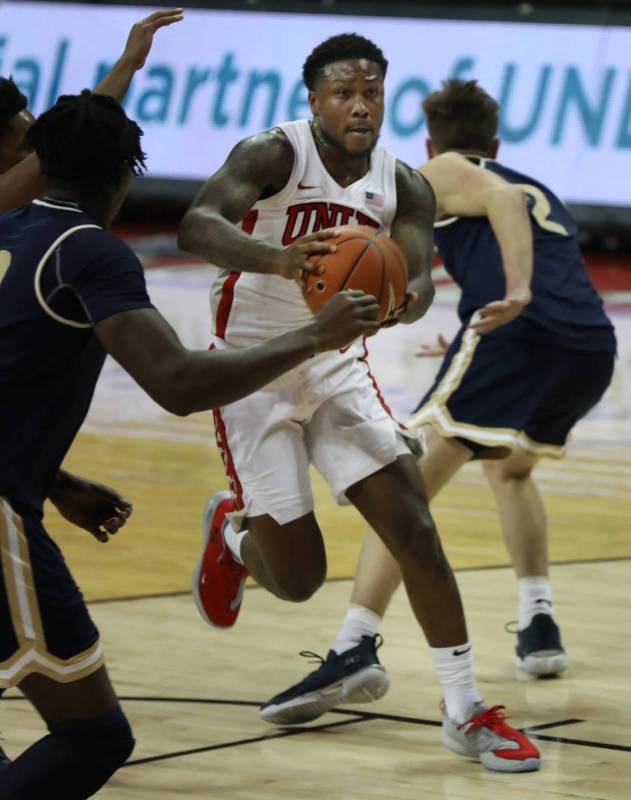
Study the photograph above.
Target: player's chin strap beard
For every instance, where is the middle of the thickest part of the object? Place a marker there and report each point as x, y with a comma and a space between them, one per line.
325, 143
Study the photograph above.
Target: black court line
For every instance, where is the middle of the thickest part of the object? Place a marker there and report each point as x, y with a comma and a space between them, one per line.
546, 725
357, 717
370, 715
583, 743
280, 735
158, 595
132, 597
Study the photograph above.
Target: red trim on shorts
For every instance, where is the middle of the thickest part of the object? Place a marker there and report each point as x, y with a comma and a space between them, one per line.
225, 304
380, 397
227, 290
221, 437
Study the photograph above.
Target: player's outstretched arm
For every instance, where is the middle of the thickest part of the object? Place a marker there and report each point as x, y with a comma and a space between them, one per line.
464, 190
116, 82
25, 182
257, 167
412, 229
183, 381
21, 184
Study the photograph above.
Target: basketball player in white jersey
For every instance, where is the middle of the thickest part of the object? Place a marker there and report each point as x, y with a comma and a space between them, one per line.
251, 219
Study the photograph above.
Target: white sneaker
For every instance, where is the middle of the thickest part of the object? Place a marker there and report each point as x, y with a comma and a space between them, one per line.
485, 735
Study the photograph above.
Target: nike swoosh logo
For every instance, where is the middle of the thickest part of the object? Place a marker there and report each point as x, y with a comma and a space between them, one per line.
302, 185
460, 652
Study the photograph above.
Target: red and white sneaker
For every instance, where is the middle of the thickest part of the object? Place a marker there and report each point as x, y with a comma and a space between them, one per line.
487, 736
219, 579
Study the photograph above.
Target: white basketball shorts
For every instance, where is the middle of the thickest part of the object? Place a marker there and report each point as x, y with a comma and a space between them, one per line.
328, 412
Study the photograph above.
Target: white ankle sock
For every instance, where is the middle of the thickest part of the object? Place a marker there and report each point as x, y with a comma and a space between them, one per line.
535, 597
358, 622
233, 541
454, 666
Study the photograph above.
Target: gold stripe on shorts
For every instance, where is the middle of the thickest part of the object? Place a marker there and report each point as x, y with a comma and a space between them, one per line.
32, 655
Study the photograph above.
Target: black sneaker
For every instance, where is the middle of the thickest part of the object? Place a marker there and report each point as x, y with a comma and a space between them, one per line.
355, 676
539, 650
4, 759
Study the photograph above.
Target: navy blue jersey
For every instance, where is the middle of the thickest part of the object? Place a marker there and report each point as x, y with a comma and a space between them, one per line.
565, 311
62, 275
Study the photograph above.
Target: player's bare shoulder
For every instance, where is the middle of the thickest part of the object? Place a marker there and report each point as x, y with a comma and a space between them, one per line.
414, 193
445, 169
266, 157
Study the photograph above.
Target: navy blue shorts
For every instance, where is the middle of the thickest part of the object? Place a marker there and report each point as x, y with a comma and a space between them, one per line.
494, 392
45, 626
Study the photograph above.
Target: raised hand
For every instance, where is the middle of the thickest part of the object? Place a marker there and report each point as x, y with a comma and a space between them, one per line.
345, 317
89, 505
500, 312
140, 37
293, 262
438, 349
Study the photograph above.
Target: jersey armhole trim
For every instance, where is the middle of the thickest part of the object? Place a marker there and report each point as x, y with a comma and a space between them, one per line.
288, 189
38, 274
48, 204
442, 223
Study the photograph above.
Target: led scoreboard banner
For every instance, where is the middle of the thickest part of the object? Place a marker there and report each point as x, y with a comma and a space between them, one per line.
565, 90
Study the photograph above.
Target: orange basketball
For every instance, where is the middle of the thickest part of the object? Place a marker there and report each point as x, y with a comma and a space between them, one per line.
365, 259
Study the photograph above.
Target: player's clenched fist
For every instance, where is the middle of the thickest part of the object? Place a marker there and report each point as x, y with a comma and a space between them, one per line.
344, 318
293, 262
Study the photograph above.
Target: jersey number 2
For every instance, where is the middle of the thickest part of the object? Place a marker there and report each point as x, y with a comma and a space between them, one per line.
541, 210
5, 263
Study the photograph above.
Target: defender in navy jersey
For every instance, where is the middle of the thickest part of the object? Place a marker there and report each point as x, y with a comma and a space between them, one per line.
70, 293
21, 179
512, 394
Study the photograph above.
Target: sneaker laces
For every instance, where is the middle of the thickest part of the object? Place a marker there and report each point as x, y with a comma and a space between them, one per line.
512, 627
316, 658
493, 718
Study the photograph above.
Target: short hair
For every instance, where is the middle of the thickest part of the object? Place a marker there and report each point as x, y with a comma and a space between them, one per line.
12, 101
87, 137
340, 48
461, 116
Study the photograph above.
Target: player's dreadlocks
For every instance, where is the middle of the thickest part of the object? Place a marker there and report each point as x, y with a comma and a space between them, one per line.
461, 116
12, 101
87, 137
341, 48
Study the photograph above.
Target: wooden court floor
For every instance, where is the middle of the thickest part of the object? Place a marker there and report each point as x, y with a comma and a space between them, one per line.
191, 692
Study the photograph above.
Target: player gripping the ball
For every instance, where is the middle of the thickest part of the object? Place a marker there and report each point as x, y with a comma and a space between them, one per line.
259, 219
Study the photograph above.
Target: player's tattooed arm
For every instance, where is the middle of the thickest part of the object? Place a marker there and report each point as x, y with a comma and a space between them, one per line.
257, 167
116, 82
464, 190
412, 229
21, 184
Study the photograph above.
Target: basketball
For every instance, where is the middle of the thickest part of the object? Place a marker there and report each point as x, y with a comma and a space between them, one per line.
365, 259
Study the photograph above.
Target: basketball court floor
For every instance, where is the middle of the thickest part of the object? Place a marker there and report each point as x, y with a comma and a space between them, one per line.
192, 692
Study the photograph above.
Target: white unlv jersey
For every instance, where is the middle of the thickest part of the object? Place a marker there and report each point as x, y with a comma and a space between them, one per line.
249, 307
